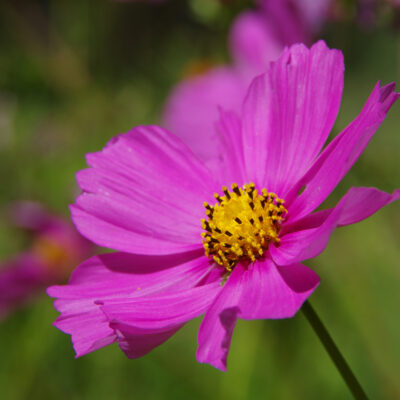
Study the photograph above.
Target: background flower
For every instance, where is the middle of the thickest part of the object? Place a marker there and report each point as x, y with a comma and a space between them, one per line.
55, 249
256, 38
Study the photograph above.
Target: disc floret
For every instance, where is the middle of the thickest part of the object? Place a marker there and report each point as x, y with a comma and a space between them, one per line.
241, 225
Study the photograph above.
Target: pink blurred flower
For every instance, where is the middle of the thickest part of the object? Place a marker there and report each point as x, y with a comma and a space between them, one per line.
143, 196
256, 39
55, 250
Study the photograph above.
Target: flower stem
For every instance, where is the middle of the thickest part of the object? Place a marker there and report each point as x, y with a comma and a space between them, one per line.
333, 351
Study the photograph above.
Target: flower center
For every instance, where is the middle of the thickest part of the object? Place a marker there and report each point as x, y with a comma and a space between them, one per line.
241, 225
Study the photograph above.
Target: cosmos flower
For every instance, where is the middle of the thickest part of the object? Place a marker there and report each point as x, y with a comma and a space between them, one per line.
56, 248
226, 242
256, 38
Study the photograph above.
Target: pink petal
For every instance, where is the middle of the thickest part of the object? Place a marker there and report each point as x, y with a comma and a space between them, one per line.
216, 329
192, 108
147, 322
89, 330
260, 291
129, 274
365, 202
362, 202
294, 245
300, 279
144, 194
136, 342
269, 292
356, 205
231, 168
161, 311
288, 114
118, 277
339, 156
310, 221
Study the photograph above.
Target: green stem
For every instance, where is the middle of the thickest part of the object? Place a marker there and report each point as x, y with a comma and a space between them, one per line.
333, 351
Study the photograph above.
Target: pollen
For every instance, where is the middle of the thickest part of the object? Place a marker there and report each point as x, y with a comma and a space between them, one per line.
241, 225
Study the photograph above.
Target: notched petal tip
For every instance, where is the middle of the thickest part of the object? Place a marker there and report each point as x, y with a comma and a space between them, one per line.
219, 357
387, 96
216, 329
113, 140
291, 53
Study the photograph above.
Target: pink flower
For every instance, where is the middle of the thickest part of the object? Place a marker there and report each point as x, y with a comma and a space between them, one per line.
256, 39
55, 249
178, 257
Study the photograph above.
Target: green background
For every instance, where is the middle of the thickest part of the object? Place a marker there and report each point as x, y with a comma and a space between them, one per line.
75, 73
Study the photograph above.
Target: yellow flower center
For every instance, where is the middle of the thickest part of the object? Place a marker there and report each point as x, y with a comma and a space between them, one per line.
241, 225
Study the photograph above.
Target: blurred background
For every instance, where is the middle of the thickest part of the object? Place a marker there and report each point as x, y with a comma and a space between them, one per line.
75, 73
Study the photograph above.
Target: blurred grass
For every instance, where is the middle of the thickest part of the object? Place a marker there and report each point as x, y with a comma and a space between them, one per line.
125, 58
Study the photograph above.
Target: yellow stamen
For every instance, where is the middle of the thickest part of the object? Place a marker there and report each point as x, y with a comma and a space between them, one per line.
241, 225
